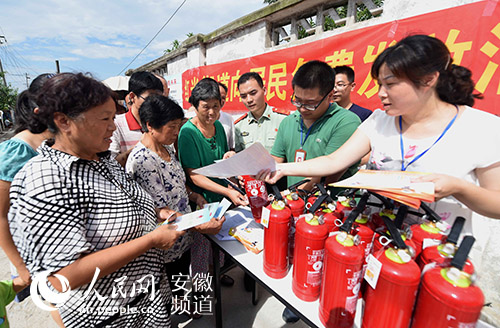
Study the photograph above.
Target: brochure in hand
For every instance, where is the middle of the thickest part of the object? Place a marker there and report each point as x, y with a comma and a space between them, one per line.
397, 185
212, 210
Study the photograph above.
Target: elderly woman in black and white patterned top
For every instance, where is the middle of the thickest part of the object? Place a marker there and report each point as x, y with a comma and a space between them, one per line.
76, 213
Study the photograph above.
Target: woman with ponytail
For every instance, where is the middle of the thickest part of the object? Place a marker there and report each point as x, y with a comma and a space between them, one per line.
427, 125
27, 134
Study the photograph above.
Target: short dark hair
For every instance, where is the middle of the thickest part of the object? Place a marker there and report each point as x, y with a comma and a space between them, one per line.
158, 110
71, 94
251, 75
223, 86
349, 72
206, 89
141, 81
315, 74
24, 117
417, 56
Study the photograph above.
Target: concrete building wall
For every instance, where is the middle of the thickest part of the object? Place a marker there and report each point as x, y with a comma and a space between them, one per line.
241, 40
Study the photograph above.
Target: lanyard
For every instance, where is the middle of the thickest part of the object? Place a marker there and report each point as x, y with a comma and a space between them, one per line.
403, 167
307, 133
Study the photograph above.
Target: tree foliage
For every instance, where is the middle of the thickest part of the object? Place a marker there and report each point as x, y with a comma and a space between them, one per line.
269, 2
8, 96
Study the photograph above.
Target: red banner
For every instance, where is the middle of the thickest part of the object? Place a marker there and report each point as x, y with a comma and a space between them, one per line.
471, 32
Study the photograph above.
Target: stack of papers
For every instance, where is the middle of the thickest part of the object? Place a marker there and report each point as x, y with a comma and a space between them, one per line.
193, 219
397, 185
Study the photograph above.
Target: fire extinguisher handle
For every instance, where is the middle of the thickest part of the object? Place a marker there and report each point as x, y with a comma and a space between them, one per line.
456, 228
348, 192
354, 213
400, 216
277, 192
433, 216
323, 191
395, 234
462, 253
387, 203
295, 185
317, 203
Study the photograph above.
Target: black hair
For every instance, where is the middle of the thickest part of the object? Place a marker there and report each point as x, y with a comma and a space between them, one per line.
206, 89
348, 71
223, 86
24, 116
315, 74
71, 94
141, 81
417, 56
251, 75
158, 110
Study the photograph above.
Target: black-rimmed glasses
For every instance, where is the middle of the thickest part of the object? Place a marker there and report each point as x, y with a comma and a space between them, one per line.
308, 107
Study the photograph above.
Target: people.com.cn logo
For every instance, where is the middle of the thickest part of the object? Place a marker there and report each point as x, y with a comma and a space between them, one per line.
39, 288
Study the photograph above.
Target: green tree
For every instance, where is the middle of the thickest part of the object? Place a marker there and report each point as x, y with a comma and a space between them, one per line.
269, 2
8, 96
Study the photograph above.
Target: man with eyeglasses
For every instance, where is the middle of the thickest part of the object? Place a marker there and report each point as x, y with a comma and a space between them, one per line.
128, 127
261, 122
318, 127
344, 85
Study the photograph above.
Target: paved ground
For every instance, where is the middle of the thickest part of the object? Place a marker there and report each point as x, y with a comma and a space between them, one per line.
237, 309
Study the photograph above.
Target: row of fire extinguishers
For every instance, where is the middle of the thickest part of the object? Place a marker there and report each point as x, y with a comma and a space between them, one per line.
413, 275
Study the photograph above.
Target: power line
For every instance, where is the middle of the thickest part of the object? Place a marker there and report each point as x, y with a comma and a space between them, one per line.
161, 29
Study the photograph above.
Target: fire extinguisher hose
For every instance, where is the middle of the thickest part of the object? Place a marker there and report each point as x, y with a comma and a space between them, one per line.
463, 252
455, 230
346, 227
395, 235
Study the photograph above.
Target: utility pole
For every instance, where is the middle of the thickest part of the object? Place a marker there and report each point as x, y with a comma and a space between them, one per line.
2, 40
27, 80
58, 70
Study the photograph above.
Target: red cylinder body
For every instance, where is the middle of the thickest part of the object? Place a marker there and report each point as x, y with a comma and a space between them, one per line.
423, 231
435, 254
442, 303
276, 241
308, 259
341, 282
297, 205
391, 303
257, 195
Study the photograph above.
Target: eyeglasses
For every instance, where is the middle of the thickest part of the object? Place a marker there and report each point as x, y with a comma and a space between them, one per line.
307, 107
341, 85
141, 97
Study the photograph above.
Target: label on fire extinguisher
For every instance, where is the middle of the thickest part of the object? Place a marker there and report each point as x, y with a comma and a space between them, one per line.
315, 262
264, 220
372, 271
428, 242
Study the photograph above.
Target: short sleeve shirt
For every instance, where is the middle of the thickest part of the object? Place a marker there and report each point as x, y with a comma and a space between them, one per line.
326, 135
14, 153
165, 182
249, 130
362, 112
196, 151
64, 207
127, 134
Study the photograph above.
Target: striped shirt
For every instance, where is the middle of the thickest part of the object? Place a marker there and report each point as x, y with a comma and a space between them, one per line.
64, 207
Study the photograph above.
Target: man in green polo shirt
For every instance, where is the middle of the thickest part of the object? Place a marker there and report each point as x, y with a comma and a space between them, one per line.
261, 122
318, 127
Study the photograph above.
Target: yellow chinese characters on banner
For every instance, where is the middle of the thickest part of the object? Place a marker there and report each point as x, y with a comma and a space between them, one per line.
473, 43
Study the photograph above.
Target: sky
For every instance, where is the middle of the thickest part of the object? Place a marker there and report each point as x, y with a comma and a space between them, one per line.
101, 37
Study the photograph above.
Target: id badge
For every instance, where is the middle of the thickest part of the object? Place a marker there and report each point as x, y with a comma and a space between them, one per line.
300, 155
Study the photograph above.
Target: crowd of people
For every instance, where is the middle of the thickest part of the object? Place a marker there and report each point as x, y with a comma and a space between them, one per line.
82, 191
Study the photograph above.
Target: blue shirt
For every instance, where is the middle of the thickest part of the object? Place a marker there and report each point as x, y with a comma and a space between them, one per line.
14, 153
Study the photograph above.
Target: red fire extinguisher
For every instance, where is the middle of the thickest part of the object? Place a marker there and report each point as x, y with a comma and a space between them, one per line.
342, 273
432, 228
310, 237
257, 195
443, 254
448, 297
387, 210
390, 304
382, 234
276, 238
